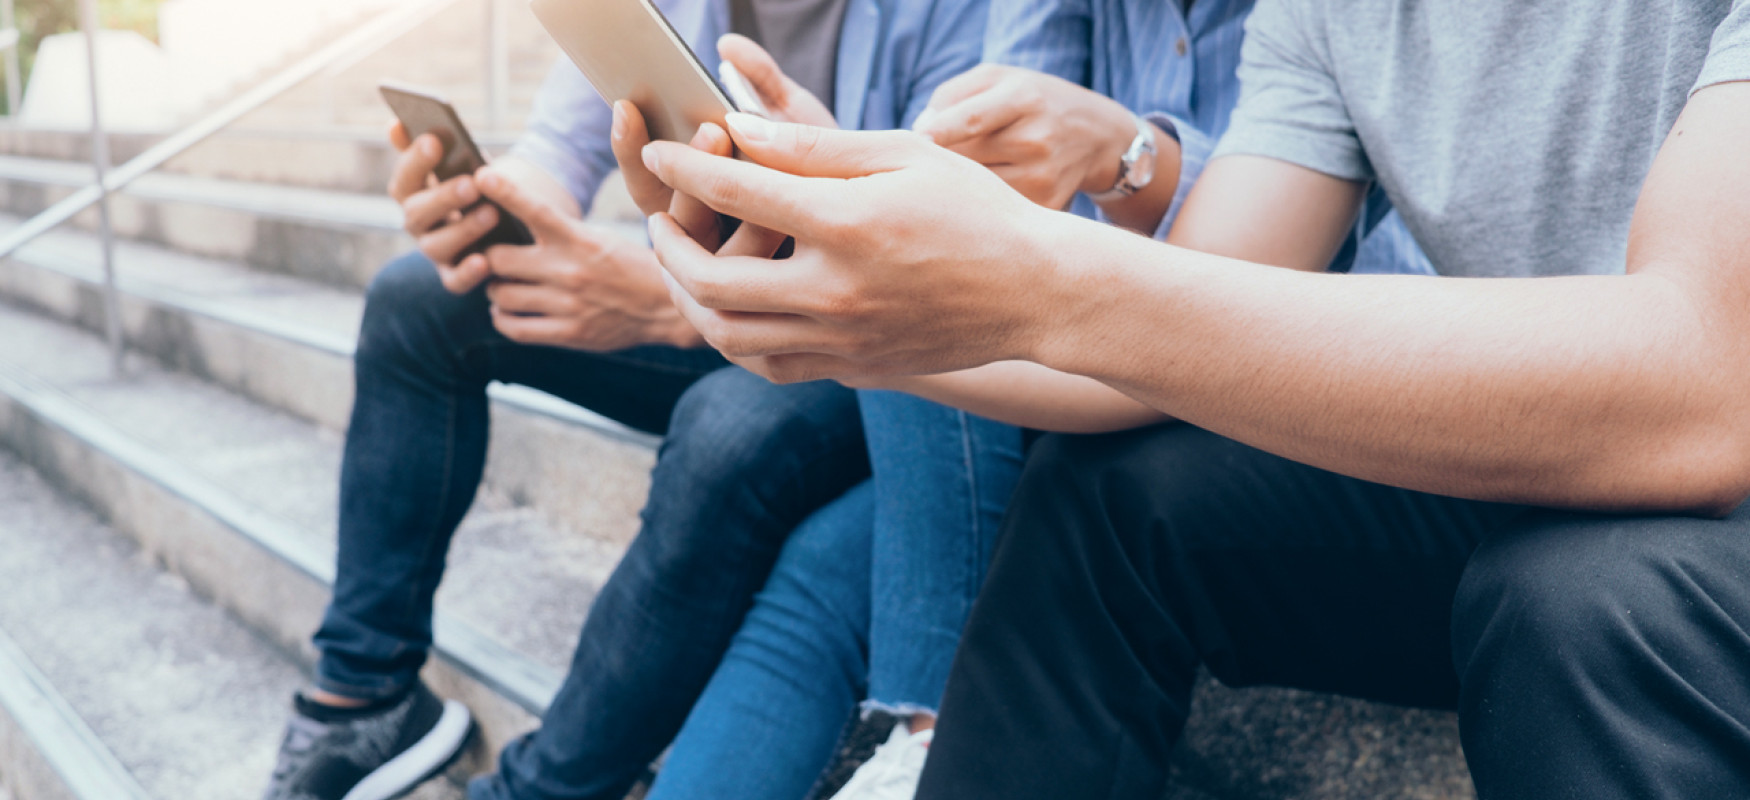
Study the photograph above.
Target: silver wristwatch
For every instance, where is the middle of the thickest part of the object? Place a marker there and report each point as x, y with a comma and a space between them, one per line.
1137, 166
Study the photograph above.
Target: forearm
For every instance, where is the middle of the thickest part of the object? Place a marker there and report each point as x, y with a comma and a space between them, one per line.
1028, 395
1597, 392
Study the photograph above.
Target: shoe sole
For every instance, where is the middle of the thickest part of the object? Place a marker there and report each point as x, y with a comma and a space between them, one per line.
434, 751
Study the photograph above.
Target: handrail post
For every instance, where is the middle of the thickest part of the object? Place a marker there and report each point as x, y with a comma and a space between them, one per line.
14, 94
497, 72
112, 318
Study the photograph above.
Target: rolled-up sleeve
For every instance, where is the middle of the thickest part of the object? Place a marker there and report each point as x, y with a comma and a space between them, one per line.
1195, 147
1728, 57
1290, 107
568, 130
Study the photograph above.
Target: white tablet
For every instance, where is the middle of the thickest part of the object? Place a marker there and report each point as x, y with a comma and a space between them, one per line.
629, 51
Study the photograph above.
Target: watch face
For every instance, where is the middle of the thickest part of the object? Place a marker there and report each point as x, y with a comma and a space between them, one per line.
1143, 170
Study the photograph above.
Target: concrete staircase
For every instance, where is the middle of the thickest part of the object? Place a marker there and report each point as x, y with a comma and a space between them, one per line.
166, 537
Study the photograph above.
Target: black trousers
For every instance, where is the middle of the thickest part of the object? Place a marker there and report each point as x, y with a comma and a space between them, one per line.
1588, 656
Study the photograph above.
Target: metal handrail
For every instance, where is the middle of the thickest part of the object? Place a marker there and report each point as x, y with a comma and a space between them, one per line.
112, 313
378, 32
13, 95
373, 35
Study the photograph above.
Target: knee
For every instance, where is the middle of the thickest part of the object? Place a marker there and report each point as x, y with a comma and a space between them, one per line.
1574, 594
733, 424
750, 458
1150, 482
406, 306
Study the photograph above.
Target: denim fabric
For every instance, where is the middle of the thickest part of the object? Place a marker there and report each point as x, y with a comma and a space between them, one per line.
866, 601
745, 462
414, 457
943, 479
416, 448
767, 724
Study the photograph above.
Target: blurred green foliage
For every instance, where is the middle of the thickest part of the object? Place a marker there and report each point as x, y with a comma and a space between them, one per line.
40, 18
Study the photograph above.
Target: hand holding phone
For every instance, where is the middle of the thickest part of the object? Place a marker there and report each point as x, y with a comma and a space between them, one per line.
433, 181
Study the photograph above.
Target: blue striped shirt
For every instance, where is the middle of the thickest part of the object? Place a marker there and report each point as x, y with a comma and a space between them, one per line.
892, 55
1176, 69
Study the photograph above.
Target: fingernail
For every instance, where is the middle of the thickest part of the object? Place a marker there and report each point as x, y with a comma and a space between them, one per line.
651, 162
750, 128
619, 129
465, 190
484, 214
923, 120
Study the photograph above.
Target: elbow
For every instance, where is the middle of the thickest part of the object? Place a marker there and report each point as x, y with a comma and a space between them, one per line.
1728, 492
1708, 477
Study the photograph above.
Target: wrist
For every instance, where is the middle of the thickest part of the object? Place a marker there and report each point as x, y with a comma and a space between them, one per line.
1116, 133
677, 332
1089, 288
1059, 293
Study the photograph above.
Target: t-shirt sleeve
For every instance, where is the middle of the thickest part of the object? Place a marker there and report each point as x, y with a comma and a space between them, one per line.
1728, 57
1290, 106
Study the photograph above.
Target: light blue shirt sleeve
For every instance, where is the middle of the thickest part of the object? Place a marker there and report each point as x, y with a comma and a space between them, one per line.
953, 42
568, 129
1194, 149
1052, 36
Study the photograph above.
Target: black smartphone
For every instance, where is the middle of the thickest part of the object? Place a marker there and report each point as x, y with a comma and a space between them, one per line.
423, 112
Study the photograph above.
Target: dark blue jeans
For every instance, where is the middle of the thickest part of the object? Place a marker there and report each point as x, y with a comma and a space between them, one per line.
415, 452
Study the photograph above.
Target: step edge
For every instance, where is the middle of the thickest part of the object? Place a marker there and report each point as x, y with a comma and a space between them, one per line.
86, 767
522, 398
160, 193
512, 675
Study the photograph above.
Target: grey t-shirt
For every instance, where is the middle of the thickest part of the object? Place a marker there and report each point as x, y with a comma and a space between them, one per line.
1512, 135
801, 35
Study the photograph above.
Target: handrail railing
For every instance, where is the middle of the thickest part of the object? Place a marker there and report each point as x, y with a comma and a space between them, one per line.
374, 34
9, 30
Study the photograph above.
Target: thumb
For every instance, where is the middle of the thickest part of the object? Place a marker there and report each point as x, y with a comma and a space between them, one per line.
823, 152
756, 65
541, 218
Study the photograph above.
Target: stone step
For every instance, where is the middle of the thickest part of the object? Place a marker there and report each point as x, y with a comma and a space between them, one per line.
1253, 744
336, 159
288, 344
239, 500
337, 238
155, 691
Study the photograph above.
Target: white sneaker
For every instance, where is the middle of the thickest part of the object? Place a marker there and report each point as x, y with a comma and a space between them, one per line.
892, 773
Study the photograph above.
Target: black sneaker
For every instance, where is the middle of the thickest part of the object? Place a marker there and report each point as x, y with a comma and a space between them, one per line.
377, 752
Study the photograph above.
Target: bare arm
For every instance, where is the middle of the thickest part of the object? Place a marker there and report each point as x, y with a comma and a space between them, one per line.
1625, 392
1030, 396
1612, 392
1294, 218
